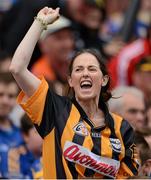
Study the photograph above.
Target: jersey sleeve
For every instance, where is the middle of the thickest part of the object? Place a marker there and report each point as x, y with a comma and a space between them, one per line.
44, 108
34, 105
130, 163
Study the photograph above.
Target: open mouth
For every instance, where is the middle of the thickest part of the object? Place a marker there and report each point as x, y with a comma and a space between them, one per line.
86, 84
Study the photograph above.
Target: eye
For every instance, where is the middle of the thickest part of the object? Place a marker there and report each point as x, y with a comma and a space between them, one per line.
11, 96
92, 69
1, 94
78, 69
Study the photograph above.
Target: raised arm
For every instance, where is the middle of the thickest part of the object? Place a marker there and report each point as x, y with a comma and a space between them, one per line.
20, 61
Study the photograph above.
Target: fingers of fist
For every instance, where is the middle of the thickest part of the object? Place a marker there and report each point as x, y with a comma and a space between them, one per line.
48, 15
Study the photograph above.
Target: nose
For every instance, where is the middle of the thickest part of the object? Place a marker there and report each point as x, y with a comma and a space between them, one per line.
69, 42
5, 99
85, 72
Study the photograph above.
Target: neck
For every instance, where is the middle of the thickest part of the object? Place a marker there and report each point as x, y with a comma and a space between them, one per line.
90, 107
93, 112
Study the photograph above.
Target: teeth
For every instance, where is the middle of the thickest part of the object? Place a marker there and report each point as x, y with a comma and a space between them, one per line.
86, 84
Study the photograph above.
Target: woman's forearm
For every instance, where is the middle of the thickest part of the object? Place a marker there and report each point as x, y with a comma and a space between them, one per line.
25, 79
25, 49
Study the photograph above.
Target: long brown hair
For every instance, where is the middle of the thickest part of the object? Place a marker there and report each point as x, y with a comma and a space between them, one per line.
105, 94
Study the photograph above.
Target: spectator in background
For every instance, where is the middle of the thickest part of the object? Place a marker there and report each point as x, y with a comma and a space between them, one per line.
30, 156
23, 160
121, 67
111, 26
114, 18
116, 14
144, 153
143, 21
32, 139
148, 114
146, 133
145, 169
129, 104
140, 142
16, 113
57, 45
143, 142
142, 77
10, 135
86, 16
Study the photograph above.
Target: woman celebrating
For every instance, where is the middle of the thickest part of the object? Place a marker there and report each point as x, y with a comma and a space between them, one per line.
81, 138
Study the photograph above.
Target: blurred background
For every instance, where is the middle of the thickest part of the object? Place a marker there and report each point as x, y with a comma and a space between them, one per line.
120, 30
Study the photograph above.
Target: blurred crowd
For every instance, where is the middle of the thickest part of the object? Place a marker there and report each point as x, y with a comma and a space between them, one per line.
120, 30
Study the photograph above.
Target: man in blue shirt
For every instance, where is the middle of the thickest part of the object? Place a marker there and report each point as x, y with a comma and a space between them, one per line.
20, 149
10, 135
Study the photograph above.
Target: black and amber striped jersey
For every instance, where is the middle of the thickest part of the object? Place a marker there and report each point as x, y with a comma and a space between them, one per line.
73, 147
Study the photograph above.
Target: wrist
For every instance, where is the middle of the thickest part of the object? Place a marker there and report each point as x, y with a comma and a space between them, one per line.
42, 23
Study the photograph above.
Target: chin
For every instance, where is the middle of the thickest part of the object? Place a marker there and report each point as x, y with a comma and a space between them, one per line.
85, 97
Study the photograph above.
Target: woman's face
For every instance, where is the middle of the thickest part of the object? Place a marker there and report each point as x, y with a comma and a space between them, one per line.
86, 77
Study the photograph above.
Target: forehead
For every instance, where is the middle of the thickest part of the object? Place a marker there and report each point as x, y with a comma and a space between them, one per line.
86, 59
131, 100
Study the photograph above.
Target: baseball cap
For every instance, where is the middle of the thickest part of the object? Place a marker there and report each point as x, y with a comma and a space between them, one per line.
58, 25
96, 3
144, 64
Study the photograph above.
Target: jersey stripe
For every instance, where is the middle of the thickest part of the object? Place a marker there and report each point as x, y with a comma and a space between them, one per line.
73, 119
59, 164
96, 150
115, 155
49, 156
105, 144
130, 165
88, 143
79, 140
118, 124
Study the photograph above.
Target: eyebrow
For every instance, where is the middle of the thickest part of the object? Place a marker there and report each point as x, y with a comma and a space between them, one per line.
90, 66
135, 110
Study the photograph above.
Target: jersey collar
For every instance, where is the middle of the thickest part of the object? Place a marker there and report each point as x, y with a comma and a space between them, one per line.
84, 116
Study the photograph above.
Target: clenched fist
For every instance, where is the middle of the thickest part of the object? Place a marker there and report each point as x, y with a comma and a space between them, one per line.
48, 15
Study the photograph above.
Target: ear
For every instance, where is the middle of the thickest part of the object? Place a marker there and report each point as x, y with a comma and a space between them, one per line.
70, 81
105, 80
